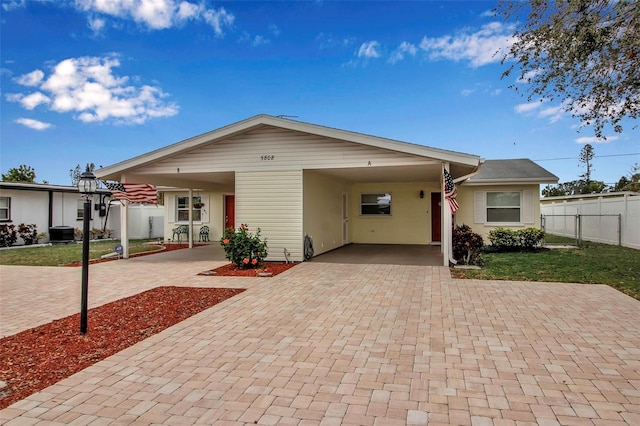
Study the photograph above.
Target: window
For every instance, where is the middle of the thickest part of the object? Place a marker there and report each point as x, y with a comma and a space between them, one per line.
5, 208
504, 207
375, 204
80, 209
183, 209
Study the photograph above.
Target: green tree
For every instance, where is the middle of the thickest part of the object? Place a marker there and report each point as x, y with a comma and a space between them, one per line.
583, 54
586, 155
631, 183
76, 172
575, 187
23, 173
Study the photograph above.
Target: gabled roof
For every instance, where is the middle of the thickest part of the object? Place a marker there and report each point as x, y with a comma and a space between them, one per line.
512, 171
223, 133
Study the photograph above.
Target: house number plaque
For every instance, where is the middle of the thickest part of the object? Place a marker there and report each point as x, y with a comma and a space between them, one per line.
267, 157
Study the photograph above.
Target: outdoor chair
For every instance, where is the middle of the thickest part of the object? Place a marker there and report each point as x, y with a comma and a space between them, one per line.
204, 234
179, 230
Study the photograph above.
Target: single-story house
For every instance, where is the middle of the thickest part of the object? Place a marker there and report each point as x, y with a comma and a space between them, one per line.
61, 206
293, 179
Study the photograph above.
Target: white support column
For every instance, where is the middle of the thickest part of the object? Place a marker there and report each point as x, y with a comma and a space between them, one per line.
190, 218
124, 224
447, 248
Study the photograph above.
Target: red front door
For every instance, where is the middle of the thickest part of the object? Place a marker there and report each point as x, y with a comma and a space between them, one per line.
436, 217
229, 211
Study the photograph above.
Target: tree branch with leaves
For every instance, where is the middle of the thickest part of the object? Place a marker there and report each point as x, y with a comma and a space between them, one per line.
584, 54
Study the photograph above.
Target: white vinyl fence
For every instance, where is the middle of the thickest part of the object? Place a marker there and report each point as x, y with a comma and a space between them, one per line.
608, 219
145, 221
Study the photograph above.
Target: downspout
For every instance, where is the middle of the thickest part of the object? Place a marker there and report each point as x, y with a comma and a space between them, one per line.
50, 208
190, 204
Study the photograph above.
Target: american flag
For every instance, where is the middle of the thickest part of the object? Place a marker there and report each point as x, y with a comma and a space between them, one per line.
450, 192
134, 192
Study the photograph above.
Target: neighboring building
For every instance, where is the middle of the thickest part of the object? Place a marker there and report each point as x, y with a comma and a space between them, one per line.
293, 179
49, 206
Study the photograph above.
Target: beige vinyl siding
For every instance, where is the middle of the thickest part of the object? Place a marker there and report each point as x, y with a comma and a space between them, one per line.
323, 210
272, 201
410, 219
278, 149
472, 211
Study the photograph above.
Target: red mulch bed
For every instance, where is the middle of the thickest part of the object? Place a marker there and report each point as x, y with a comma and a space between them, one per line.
231, 270
39, 357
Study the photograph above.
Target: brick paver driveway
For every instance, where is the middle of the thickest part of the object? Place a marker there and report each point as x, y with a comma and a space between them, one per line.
370, 344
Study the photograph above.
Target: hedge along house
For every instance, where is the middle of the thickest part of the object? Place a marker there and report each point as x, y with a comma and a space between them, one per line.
293, 179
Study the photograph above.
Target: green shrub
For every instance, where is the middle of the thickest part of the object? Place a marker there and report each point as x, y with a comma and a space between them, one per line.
504, 239
8, 235
527, 239
28, 233
467, 245
244, 249
530, 238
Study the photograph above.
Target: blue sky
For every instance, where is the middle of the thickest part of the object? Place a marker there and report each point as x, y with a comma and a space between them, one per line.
105, 80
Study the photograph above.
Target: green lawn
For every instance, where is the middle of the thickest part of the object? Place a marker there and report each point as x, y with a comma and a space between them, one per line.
61, 254
592, 263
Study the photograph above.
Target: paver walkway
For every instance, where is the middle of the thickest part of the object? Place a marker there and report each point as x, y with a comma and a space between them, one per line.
364, 344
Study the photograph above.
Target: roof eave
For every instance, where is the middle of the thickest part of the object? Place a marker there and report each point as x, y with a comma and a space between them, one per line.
510, 181
114, 171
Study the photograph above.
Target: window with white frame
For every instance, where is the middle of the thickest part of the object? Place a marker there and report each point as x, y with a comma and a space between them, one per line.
5, 209
504, 206
182, 209
79, 209
375, 204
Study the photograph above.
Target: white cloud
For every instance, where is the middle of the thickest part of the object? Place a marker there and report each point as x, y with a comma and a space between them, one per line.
188, 11
32, 100
526, 78
96, 25
87, 87
369, 49
528, 107
219, 19
31, 79
8, 5
467, 92
259, 40
554, 113
479, 48
402, 50
274, 29
595, 139
540, 110
156, 14
33, 124
326, 41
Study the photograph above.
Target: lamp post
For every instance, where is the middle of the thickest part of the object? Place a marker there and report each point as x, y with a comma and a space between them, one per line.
87, 187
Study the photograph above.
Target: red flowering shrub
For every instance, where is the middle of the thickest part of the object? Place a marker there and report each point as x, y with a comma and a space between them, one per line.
244, 249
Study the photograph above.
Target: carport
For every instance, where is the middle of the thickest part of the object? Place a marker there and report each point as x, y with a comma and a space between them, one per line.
384, 254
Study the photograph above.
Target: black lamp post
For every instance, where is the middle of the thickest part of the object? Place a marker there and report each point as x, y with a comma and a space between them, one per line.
87, 187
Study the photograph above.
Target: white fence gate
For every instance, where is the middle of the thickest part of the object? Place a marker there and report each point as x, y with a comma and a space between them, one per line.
603, 219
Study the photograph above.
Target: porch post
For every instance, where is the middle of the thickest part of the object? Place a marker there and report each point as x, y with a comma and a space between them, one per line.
124, 234
447, 249
190, 218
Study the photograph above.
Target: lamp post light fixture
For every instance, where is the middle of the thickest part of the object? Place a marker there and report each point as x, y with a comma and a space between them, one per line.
87, 186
